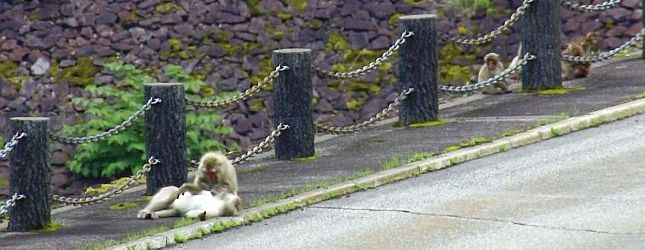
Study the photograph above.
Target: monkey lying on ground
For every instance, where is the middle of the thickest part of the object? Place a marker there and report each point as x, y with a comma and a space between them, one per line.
516, 60
214, 170
203, 205
570, 70
492, 66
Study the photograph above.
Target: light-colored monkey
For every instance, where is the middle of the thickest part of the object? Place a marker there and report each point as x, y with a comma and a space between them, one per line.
492, 66
203, 205
572, 71
214, 170
516, 60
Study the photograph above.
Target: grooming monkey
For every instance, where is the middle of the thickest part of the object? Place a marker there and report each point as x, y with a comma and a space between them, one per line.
203, 205
214, 170
570, 70
492, 66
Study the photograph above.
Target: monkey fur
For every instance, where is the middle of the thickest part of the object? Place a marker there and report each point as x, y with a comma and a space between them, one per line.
516, 60
203, 205
570, 70
492, 66
214, 170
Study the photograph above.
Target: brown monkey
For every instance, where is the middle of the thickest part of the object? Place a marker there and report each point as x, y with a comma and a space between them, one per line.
570, 70
203, 205
589, 43
214, 170
492, 66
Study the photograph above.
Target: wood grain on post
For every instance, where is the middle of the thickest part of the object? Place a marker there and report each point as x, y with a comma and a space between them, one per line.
293, 94
166, 135
541, 38
418, 66
30, 174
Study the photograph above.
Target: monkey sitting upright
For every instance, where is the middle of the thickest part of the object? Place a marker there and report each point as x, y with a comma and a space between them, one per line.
214, 170
516, 60
570, 70
589, 43
203, 205
492, 66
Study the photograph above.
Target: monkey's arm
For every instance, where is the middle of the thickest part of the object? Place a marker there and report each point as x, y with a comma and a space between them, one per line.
193, 188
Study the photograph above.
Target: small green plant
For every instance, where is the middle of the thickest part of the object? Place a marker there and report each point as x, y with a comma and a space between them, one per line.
420, 156
184, 221
122, 154
393, 162
53, 226
560, 91
555, 132
310, 158
180, 238
451, 148
433, 123
595, 122
641, 95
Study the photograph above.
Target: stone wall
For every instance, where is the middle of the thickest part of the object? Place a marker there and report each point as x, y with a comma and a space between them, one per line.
50, 49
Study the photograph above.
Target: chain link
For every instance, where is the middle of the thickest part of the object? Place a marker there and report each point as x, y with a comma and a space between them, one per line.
371, 66
592, 7
12, 143
603, 55
111, 132
132, 181
242, 96
379, 116
10, 203
492, 81
487, 38
256, 150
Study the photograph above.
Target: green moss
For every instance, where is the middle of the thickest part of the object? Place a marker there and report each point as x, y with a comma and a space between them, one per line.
451, 148
511, 132
433, 123
364, 87
355, 104
3, 182
9, 71
336, 42
420, 156
462, 29
641, 95
415, 3
559, 91
393, 21
274, 33
309, 158
175, 44
474, 141
184, 222
180, 238
197, 235
82, 73
452, 59
595, 122
257, 105
53, 226
126, 205
299, 5
314, 24
284, 15
555, 132
166, 8
132, 18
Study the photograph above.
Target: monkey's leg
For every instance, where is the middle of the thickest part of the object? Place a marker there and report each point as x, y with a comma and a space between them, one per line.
165, 213
200, 214
161, 200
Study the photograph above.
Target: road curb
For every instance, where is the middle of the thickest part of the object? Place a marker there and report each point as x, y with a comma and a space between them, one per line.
255, 214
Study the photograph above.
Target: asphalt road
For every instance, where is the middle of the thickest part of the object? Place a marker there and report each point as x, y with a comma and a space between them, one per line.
585, 190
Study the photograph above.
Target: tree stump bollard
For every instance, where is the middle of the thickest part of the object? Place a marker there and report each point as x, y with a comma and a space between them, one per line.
30, 174
293, 94
541, 37
643, 22
418, 63
165, 126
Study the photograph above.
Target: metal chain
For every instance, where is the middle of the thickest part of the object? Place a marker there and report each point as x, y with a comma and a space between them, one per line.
12, 143
496, 79
603, 55
111, 132
10, 203
592, 7
379, 116
132, 181
242, 96
371, 66
487, 38
257, 149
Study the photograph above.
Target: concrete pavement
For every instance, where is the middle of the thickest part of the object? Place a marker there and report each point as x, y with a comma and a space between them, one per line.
581, 191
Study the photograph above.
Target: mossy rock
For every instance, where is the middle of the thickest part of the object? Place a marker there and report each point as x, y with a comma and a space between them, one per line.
336, 42
9, 72
82, 73
393, 21
284, 15
166, 8
299, 5
314, 24
355, 104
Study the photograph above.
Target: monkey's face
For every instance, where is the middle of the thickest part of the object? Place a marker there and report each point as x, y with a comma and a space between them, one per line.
211, 174
491, 64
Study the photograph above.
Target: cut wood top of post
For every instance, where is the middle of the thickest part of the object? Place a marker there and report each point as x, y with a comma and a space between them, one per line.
296, 50
35, 119
422, 16
164, 84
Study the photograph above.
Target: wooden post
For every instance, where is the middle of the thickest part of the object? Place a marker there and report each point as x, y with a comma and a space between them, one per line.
166, 135
643, 22
293, 94
418, 66
30, 174
541, 38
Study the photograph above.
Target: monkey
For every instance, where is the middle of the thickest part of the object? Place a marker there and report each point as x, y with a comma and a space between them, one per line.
492, 66
216, 170
203, 205
570, 70
589, 43
516, 60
